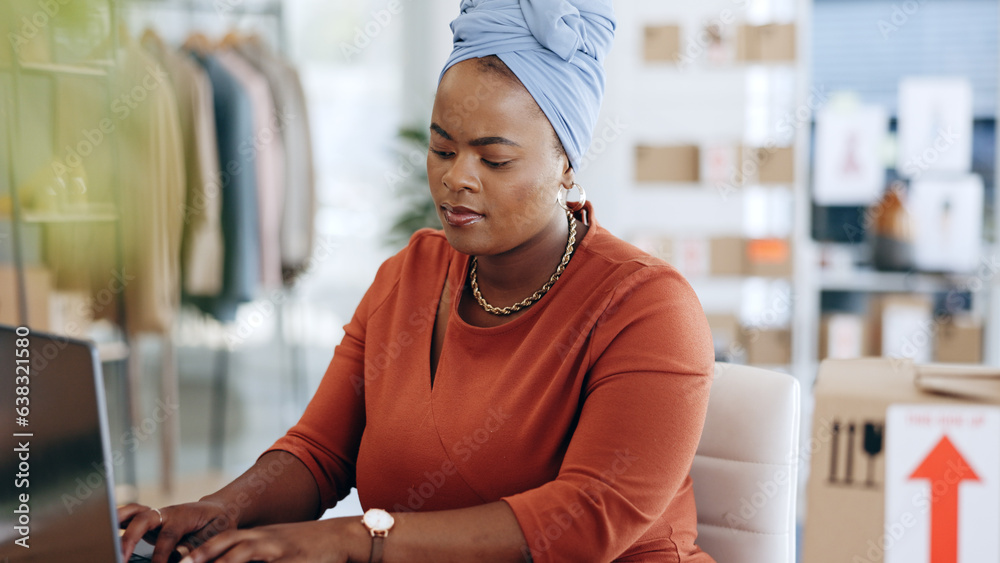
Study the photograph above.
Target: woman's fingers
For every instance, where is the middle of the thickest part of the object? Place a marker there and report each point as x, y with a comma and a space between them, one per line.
237, 546
171, 534
140, 521
128, 511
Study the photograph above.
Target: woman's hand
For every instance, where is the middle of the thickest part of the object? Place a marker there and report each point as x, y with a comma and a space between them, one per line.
179, 528
338, 540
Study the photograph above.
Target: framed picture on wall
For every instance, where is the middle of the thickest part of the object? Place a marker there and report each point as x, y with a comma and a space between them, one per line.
849, 167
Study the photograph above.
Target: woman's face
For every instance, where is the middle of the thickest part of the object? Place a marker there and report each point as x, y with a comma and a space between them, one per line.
493, 163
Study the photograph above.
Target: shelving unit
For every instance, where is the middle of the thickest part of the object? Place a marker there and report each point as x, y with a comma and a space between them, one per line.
728, 101
982, 285
115, 355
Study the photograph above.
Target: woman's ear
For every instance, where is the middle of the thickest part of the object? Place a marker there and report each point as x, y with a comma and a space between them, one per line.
568, 174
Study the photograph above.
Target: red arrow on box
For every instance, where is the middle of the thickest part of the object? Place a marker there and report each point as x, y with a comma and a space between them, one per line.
945, 468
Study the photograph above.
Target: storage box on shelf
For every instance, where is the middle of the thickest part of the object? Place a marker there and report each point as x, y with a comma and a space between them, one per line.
719, 166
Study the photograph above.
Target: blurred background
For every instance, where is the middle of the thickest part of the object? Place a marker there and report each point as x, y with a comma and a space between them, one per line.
822, 171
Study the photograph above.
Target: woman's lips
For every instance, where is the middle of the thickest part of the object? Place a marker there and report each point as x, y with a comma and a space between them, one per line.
460, 216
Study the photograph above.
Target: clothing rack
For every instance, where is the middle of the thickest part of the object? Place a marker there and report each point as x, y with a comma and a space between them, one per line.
232, 9
235, 11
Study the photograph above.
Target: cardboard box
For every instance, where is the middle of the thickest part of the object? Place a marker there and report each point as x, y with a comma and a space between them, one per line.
846, 488
903, 326
725, 335
691, 256
767, 346
718, 165
39, 286
959, 341
843, 336
662, 43
674, 163
773, 166
771, 258
765, 43
726, 256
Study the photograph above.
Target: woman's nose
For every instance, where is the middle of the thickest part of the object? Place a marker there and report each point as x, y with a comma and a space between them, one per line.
461, 174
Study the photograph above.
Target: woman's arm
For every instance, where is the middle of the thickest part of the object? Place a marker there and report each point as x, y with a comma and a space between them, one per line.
278, 488
484, 533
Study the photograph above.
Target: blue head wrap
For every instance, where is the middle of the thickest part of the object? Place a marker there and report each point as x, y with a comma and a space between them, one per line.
556, 48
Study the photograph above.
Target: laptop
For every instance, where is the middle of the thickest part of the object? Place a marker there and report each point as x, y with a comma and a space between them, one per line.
56, 470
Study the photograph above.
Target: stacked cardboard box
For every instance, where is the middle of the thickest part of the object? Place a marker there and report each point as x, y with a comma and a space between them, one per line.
847, 478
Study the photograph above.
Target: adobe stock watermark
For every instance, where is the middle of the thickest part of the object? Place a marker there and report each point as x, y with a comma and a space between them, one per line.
920, 505
464, 449
262, 310
258, 483
562, 521
576, 335
250, 146
366, 34
917, 164
33, 26
610, 132
711, 32
97, 479
406, 167
753, 505
786, 127
924, 333
780, 306
870, 215
898, 17
121, 107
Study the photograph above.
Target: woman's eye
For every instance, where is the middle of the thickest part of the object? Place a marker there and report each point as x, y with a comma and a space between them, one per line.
492, 164
442, 154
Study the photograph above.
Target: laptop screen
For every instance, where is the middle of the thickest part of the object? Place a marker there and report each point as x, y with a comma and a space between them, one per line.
56, 502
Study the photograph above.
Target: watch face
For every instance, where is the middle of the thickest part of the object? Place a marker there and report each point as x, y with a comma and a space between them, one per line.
378, 520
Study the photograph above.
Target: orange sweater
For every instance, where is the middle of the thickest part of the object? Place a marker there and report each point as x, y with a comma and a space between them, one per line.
583, 414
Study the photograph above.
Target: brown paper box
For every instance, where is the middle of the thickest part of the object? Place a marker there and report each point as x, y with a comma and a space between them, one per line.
770, 258
844, 334
845, 519
39, 286
765, 346
765, 43
662, 43
959, 341
884, 312
725, 329
726, 256
676, 163
773, 165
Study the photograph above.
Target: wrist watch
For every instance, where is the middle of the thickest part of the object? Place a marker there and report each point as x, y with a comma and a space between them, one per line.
378, 522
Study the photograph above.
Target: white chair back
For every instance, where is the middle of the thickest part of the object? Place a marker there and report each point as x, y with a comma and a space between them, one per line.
745, 472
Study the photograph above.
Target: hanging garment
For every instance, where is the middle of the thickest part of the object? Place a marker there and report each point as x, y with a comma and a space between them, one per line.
234, 121
202, 245
153, 189
298, 220
266, 144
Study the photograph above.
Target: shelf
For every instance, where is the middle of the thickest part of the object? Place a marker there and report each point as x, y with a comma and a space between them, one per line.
95, 214
66, 70
878, 282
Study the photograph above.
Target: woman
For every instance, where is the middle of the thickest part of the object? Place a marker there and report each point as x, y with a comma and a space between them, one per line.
521, 385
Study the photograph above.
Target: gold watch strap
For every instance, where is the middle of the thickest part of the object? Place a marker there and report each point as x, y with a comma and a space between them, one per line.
376, 554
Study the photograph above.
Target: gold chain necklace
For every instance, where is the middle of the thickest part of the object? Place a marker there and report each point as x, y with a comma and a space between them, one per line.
529, 301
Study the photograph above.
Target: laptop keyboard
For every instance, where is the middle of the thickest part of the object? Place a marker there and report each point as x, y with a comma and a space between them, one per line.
138, 559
